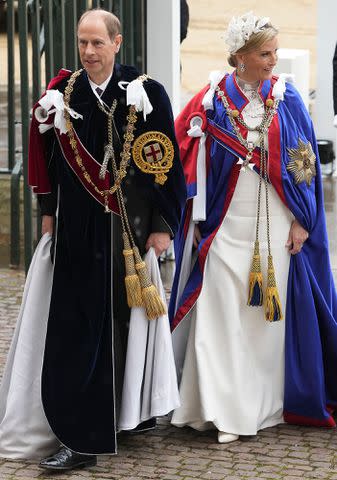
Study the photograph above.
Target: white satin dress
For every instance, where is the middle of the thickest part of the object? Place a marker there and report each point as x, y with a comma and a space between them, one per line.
233, 373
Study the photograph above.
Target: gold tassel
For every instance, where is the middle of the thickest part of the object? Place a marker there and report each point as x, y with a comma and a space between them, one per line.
255, 295
152, 301
132, 283
273, 310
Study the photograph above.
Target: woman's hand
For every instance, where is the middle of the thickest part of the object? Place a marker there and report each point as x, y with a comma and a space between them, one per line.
297, 236
196, 237
47, 225
160, 241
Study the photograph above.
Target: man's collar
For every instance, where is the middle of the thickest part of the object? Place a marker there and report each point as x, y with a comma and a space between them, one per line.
102, 86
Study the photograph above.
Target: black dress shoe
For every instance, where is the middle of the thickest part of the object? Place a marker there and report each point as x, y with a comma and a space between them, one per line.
66, 459
144, 426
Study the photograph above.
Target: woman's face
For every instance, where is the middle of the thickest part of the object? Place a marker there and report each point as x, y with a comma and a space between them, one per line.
259, 63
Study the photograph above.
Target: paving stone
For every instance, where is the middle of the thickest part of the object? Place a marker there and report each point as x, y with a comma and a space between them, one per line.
244, 473
321, 465
303, 468
245, 466
267, 468
188, 478
291, 477
223, 464
232, 477
213, 476
172, 477
317, 474
270, 475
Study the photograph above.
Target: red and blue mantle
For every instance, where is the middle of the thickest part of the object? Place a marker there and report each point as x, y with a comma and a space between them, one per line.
311, 309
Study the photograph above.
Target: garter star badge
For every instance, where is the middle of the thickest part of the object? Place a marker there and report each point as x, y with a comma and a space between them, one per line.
153, 152
302, 164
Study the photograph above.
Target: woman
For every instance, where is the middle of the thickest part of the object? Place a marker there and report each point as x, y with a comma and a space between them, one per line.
255, 217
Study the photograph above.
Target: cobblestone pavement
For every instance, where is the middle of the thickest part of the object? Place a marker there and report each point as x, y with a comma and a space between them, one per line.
167, 453
283, 452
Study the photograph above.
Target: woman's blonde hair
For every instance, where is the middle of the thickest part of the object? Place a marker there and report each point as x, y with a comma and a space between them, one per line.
255, 41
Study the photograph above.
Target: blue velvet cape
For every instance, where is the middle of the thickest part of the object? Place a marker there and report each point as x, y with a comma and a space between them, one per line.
311, 309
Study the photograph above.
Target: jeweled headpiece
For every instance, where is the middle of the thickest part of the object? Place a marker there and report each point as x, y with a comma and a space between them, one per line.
241, 28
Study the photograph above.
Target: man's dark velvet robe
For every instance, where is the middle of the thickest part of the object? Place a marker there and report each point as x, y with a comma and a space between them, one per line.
88, 320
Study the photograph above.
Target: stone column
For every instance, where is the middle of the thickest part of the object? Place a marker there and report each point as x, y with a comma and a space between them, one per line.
163, 46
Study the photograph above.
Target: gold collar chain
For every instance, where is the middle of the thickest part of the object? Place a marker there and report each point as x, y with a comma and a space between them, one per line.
125, 153
262, 129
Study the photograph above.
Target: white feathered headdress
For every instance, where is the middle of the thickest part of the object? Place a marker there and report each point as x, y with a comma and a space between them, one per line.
241, 28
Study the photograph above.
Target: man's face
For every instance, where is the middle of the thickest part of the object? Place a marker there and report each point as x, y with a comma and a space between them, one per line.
97, 50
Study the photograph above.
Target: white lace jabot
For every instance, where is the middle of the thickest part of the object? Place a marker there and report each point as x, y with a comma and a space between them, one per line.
254, 110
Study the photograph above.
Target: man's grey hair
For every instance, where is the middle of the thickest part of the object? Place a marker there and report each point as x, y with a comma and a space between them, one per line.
112, 23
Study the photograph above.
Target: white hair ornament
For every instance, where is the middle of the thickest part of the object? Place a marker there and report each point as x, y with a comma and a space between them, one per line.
240, 29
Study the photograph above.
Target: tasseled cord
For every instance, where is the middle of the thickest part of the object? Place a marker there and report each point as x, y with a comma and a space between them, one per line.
140, 290
272, 302
132, 283
152, 301
255, 296
273, 310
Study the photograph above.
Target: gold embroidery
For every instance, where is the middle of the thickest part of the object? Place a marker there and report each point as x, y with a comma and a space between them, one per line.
302, 164
153, 152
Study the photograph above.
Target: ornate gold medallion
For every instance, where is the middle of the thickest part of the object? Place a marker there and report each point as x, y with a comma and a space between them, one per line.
153, 152
302, 164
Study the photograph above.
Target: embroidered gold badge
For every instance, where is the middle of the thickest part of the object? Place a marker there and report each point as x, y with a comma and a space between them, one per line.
302, 164
153, 152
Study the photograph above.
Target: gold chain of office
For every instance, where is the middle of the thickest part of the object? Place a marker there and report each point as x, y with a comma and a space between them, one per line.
128, 139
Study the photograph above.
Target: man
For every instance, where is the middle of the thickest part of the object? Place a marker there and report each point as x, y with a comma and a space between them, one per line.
77, 168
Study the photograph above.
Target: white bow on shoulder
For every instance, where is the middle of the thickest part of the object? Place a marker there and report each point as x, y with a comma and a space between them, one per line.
53, 98
137, 96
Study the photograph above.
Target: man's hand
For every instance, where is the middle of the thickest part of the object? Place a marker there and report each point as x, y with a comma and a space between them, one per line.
47, 224
297, 236
159, 241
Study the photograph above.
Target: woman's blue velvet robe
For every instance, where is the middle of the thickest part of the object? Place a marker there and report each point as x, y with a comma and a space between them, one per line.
311, 309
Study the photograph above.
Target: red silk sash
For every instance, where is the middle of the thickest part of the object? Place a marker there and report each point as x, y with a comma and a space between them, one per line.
88, 173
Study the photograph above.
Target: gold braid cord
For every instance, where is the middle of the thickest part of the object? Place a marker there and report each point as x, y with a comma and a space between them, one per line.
139, 288
125, 154
271, 299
